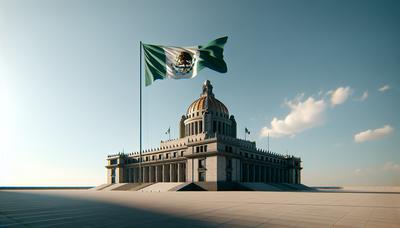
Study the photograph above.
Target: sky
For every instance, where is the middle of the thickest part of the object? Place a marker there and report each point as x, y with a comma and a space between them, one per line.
322, 78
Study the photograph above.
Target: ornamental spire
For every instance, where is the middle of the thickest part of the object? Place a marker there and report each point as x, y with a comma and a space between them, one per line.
207, 89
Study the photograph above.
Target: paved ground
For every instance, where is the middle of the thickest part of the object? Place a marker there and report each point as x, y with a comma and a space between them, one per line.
83, 208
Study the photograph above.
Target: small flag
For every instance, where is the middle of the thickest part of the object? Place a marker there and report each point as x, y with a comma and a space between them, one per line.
168, 131
182, 62
246, 130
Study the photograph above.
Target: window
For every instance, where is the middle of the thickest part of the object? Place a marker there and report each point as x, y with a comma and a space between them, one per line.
196, 130
205, 148
167, 156
201, 149
228, 176
181, 153
214, 126
201, 126
202, 176
113, 162
159, 156
175, 154
202, 163
219, 127
228, 163
197, 149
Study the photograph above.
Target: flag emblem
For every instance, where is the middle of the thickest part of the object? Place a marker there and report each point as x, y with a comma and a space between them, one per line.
184, 63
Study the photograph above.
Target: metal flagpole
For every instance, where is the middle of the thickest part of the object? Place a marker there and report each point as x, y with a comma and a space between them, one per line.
268, 141
140, 125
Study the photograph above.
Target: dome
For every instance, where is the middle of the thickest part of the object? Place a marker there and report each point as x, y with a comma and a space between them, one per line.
208, 102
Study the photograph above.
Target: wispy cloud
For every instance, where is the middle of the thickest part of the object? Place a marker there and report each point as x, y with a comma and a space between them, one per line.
384, 88
391, 166
364, 96
388, 166
304, 114
340, 95
373, 134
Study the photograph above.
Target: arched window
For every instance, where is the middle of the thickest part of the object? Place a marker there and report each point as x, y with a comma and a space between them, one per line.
201, 126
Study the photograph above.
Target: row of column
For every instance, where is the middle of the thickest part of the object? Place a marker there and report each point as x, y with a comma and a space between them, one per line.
266, 174
194, 128
173, 172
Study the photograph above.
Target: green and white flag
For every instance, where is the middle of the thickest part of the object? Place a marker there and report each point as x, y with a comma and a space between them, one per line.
182, 62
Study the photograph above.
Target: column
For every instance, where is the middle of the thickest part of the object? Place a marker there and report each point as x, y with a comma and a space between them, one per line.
150, 174
254, 173
172, 176
131, 175
164, 178
135, 175
262, 174
247, 173
279, 174
179, 172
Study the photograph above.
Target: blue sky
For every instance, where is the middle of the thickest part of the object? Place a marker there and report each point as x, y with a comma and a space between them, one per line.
69, 92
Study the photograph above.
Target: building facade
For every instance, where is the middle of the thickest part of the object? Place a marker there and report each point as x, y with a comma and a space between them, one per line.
207, 150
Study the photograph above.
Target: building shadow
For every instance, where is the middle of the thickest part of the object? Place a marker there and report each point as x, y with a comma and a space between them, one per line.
41, 209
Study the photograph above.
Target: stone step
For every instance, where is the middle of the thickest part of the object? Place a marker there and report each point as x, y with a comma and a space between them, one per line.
161, 187
100, 187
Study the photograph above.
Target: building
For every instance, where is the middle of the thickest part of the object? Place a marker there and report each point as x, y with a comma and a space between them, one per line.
207, 150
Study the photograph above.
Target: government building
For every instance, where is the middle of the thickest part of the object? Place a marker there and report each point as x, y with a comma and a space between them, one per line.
207, 151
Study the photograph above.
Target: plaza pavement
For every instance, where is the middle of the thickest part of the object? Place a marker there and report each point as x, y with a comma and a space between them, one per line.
85, 208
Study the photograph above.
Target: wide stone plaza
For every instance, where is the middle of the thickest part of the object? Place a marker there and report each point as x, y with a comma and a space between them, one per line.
88, 208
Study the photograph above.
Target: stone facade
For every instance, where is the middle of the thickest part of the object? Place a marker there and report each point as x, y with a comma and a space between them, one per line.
207, 151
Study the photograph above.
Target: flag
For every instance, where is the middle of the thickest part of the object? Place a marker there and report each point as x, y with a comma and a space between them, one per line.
168, 131
246, 130
182, 62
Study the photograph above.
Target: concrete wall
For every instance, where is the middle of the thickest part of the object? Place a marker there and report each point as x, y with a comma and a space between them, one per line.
211, 165
221, 167
192, 166
108, 176
236, 166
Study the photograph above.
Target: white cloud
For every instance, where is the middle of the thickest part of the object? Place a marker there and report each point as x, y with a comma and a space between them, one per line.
373, 134
340, 95
364, 96
384, 88
303, 115
358, 172
391, 166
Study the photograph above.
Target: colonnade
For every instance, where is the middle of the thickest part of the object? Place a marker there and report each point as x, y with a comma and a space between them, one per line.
251, 172
171, 172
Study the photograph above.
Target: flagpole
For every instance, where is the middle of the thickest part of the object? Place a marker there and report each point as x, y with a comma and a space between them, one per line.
140, 125
268, 141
